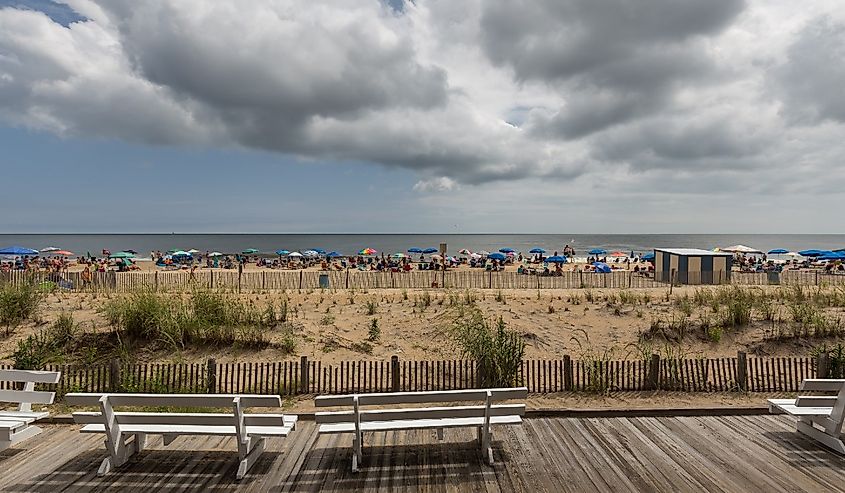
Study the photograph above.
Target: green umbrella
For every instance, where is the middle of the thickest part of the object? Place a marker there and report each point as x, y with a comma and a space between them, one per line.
250, 251
122, 255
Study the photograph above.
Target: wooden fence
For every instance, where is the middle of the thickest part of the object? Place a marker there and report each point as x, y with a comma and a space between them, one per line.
540, 376
274, 280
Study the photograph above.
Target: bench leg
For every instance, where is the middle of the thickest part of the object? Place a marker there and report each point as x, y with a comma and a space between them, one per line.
105, 467
357, 453
168, 438
251, 458
820, 436
440, 434
140, 441
119, 456
13, 438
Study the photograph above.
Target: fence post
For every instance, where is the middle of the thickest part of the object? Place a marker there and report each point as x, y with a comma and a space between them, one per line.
567, 372
155, 278
671, 281
394, 373
347, 278
822, 365
303, 373
263, 282
211, 280
742, 371
114, 375
490, 279
654, 372
211, 375
300, 279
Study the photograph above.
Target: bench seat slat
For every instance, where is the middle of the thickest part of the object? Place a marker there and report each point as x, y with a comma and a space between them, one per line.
815, 401
27, 415
414, 424
794, 410
174, 400
421, 397
420, 413
158, 429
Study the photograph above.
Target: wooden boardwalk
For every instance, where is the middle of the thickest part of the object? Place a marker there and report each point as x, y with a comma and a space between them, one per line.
740, 453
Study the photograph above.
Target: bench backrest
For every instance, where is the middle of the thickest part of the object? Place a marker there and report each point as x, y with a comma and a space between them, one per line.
380, 399
486, 410
835, 387
28, 395
174, 400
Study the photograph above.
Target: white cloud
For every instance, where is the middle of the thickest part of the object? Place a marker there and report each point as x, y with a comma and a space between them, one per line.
714, 92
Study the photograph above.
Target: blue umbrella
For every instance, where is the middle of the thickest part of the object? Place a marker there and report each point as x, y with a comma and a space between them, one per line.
430, 250
812, 253
840, 250
832, 256
556, 259
597, 251
602, 267
415, 250
506, 250
16, 250
778, 251
333, 255
648, 256
496, 256
536, 250
282, 252
319, 250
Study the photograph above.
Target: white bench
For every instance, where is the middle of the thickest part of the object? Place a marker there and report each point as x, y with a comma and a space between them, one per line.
17, 425
126, 432
819, 416
358, 421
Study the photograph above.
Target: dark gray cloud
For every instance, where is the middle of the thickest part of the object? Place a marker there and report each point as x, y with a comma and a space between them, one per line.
811, 80
612, 60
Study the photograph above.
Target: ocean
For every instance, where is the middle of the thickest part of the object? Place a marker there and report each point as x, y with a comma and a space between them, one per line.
348, 244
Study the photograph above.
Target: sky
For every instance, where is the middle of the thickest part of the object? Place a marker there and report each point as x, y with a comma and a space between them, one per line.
428, 116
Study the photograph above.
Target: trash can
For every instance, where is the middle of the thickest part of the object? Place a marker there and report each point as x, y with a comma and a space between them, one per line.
324, 281
773, 277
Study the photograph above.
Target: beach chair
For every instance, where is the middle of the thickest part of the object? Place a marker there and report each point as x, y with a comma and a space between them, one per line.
126, 432
16, 425
482, 417
820, 417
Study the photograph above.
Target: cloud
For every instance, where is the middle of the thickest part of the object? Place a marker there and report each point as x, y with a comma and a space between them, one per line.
811, 79
464, 95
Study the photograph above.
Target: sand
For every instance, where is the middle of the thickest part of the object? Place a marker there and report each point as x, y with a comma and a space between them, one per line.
328, 324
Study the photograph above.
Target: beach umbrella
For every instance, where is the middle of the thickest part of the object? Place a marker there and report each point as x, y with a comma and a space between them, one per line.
122, 255
294, 254
319, 250
333, 255
475, 255
506, 250
63, 253
192, 251
618, 254
430, 250
840, 250
310, 253
778, 251
536, 250
368, 251
398, 255
597, 251
649, 256
50, 249
602, 267
811, 253
484, 253
181, 253
215, 254
556, 259
250, 251
17, 250
415, 250
464, 251
496, 256
282, 252
740, 249
833, 256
